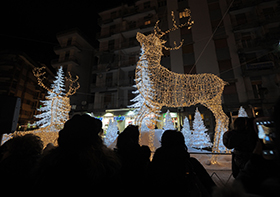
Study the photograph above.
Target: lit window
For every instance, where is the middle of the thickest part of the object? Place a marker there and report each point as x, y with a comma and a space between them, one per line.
147, 22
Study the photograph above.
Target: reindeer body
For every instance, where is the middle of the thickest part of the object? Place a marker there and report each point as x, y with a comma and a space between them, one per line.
180, 90
161, 87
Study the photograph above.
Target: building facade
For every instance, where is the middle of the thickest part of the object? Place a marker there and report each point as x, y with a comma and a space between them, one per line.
76, 55
17, 79
224, 40
256, 28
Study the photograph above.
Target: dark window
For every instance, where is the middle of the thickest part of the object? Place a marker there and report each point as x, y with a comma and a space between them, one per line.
147, 4
109, 79
69, 41
111, 44
67, 54
162, 3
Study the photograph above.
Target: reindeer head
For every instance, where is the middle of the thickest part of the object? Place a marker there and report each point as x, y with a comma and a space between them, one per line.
153, 41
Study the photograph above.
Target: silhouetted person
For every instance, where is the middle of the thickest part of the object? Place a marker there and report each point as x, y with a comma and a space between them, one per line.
243, 140
134, 159
173, 172
80, 163
19, 158
261, 176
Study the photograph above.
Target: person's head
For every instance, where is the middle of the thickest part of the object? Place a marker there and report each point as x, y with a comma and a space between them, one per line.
129, 137
240, 123
172, 138
80, 131
25, 145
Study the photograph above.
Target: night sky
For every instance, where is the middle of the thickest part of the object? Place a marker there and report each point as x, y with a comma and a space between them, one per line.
31, 25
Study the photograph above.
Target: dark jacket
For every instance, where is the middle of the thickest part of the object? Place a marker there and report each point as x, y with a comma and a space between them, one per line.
260, 176
243, 142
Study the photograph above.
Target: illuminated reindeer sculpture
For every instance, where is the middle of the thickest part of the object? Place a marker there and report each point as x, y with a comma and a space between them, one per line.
59, 109
161, 87
60, 102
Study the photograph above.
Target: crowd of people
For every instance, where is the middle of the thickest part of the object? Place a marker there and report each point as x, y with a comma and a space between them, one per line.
81, 163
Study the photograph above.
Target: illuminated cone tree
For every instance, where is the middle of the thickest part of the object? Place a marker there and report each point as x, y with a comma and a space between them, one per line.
187, 132
112, 133
242, 112
56, 107
52, 106
200, 138
168, 124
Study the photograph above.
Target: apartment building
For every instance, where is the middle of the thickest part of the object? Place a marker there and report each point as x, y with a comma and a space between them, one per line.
256, 28
217, 43
17, 79
76, 55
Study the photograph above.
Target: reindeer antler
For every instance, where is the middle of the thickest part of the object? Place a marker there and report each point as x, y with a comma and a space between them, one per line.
39, 74
72, 88
189, 23
159, 33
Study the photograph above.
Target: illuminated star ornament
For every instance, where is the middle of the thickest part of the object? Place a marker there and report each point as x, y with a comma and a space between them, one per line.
160, 87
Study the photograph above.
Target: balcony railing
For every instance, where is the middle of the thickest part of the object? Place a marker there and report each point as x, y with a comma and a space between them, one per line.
140, 24
260, 65
72, 60
115, 65
74, 45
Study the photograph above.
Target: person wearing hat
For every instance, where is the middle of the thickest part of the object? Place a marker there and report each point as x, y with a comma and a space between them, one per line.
81, 162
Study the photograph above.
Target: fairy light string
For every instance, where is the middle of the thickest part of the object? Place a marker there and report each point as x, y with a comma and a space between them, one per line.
162, 87
49, 134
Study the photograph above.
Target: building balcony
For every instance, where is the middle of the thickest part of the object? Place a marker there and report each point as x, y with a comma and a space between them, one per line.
245, 26
259, 69
70, 60
126, 83
240, 5
260, 65
74, 46
127, 29
128, 46
126, 64
250, 46
125, 12
94, 88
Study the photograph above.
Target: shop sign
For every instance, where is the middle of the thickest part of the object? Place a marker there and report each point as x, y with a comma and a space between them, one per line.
119, 118
100, 118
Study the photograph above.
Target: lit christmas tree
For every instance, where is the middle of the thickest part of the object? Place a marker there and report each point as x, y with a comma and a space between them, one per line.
140, 103
56, 107
168, 124
187, 132
200, 138
52, 106
242, 112
112, 133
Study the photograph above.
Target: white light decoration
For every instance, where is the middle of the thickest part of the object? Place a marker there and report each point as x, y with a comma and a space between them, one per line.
56, 107
160, 87
200, 139
168, 124
187, 132
242, 112
53, 107
111, 133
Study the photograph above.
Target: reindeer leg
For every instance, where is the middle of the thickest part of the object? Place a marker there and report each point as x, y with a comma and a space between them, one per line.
221, 120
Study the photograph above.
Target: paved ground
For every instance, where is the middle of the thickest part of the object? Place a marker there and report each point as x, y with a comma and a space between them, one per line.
221, 177
221, 171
